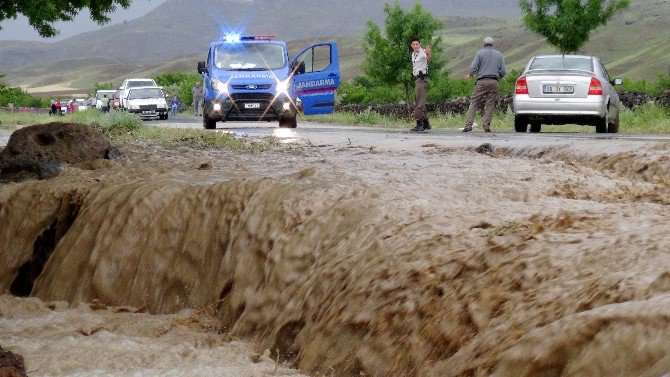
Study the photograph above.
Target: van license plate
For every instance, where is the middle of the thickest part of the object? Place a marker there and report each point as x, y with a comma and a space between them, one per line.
558, 89
147, 112
252, 105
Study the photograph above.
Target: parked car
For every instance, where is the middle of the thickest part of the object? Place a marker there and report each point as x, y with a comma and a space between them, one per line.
100, 94
147, 102
115, 102
81, 104
129, 84
566, 89
65, 105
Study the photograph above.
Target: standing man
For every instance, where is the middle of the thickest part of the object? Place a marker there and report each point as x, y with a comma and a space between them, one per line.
420, 58
198, 97
489, 66
104, 104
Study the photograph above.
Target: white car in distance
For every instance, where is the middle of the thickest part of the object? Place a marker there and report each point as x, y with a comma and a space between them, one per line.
129, 84
100, 94
147, 102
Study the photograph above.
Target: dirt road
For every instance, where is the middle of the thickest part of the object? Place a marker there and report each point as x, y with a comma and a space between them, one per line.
352, 250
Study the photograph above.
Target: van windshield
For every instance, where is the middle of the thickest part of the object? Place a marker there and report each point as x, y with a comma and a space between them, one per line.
146, 93
562, 62
249, 56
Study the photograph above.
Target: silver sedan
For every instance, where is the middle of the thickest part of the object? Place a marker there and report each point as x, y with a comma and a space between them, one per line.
566, 89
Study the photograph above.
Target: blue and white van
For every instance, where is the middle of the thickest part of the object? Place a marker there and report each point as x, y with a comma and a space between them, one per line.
253, 79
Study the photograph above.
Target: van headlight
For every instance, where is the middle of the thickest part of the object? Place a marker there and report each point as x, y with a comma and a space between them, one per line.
282, 87
219, 86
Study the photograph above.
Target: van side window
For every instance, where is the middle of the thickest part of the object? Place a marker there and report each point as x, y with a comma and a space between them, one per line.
317, 58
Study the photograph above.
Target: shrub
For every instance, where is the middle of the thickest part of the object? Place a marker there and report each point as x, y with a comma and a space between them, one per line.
19, 97
118, 123
652, 89
361, 91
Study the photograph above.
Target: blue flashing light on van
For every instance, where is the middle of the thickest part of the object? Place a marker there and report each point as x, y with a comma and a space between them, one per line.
253, 79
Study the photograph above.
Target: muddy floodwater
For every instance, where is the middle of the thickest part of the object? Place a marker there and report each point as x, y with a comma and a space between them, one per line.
423, 259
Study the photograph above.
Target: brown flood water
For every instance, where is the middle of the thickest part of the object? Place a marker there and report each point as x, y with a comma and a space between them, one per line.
536, 261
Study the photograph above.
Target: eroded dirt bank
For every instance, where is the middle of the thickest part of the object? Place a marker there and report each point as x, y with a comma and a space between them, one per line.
431, 262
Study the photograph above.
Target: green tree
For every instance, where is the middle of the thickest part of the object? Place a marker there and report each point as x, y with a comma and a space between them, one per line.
179, 84
43, 13
18, 96
566, 24
102, 86
388, 57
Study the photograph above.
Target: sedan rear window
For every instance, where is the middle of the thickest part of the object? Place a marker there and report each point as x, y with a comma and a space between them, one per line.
562, 62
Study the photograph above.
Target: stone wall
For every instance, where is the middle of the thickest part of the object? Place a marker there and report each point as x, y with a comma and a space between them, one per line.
460, 105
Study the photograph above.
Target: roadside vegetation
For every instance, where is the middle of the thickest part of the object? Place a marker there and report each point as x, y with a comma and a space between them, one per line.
129, 128
19, 97
645, 119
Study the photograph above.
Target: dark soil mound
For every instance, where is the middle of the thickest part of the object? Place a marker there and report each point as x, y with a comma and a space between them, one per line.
11, 364
38, 151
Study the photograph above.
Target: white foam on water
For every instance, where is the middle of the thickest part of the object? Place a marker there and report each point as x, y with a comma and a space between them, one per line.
53, 343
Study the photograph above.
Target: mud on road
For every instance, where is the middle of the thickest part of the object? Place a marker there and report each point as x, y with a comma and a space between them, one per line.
430, 260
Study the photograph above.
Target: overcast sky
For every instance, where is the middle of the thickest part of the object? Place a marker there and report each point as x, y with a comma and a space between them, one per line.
19, 29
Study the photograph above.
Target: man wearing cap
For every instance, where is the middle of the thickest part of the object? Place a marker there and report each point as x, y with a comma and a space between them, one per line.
198, 97
489, 67
420, 58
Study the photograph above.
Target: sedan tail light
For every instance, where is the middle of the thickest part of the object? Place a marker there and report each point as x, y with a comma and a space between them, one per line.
596, 88
521, 85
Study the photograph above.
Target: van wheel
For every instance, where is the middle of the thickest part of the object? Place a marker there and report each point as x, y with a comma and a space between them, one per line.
535, 127
520, 124
208, 123
288, 122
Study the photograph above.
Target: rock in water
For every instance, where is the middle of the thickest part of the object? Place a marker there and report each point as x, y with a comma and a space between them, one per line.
38, 151
486, 148
11, 364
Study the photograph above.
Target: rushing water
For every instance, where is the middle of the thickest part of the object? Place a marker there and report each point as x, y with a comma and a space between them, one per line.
437, 262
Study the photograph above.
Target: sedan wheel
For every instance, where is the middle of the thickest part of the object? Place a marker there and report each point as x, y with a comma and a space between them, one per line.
603, 123
535, 127
613, 127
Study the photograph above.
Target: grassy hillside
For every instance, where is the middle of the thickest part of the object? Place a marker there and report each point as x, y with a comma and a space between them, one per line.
184, 27
636, 44
627, 45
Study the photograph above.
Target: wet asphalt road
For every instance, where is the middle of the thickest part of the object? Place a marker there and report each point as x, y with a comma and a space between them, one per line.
337, 135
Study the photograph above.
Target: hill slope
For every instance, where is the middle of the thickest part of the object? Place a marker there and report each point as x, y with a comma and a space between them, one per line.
620, 44
182, 27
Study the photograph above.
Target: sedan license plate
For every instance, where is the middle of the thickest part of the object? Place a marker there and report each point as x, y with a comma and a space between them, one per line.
558, 89
252, 105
